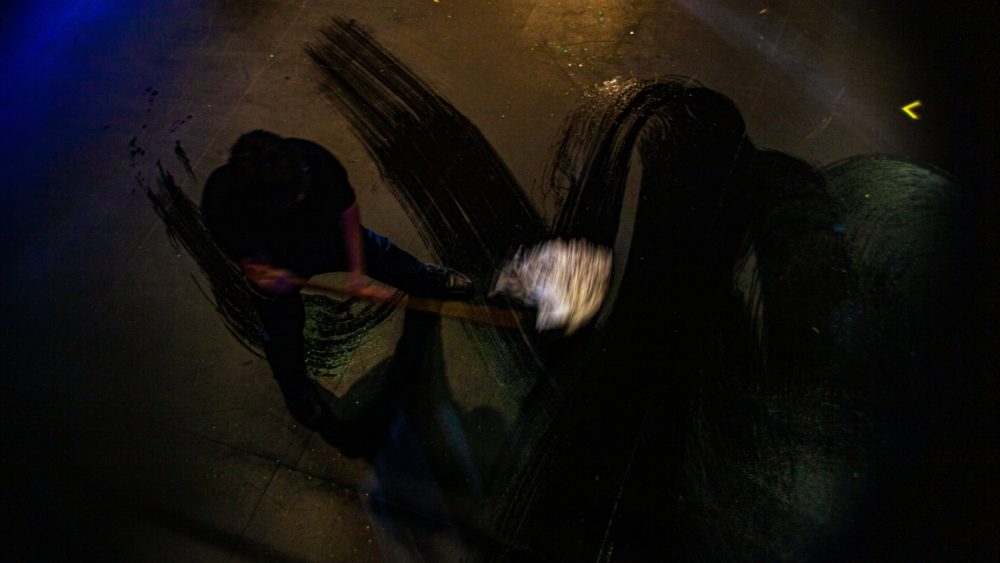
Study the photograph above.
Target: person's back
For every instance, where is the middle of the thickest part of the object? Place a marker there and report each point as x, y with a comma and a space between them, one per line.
281, 211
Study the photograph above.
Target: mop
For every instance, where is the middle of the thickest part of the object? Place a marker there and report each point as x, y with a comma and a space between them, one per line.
565, 281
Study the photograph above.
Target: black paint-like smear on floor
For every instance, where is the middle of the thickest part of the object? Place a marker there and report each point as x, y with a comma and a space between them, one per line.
186, 228
591, 162
764, 383
337, 330
606, 372
469, 208
727, 374
334, 329
588, 176
182, 156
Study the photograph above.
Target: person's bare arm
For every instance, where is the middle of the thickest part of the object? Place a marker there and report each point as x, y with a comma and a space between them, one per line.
357, 282
350, 232
262, 274
279, 281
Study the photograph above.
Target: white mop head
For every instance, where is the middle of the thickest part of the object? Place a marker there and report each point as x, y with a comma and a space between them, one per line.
565, 280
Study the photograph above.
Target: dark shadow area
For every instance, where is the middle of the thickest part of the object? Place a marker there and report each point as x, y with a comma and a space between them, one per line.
770, 383
62, 509
433, 463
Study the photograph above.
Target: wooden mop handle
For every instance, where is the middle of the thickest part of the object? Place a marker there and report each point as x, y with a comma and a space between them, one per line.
446, 308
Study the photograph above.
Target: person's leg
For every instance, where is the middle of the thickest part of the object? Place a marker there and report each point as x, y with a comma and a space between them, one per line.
390, 264
283, 318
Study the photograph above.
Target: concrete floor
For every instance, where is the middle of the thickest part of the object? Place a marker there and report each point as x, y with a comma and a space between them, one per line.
136, 427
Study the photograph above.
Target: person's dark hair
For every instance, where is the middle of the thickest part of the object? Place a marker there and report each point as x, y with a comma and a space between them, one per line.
269, 171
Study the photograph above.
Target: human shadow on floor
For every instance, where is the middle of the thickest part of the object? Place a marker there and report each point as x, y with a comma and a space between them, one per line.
432, 462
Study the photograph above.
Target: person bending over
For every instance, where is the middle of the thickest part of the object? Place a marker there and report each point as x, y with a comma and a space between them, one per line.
282, 208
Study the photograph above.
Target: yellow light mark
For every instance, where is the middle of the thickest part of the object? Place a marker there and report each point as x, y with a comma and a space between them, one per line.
908, 109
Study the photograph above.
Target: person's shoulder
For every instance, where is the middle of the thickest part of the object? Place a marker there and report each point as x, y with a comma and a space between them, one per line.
329, 177
230, 222
219, 190
320, 159
310, 149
